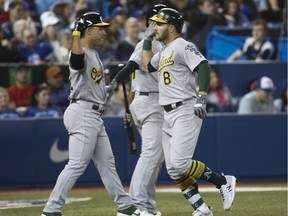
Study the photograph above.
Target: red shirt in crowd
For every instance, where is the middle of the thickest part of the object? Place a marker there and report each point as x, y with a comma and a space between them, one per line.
20, 96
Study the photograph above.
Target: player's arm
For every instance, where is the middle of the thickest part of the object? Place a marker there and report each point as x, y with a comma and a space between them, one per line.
203, 70
147, 56
77, 54
147, 53
236, 55
129, 68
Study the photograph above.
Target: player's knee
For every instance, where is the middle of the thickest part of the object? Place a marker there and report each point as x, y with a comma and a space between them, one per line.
178, 166
78, 164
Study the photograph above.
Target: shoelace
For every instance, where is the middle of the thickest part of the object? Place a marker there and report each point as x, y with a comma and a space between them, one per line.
228, 190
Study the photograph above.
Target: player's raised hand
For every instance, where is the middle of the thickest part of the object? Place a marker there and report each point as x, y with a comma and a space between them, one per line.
200, 106
150, 31
79, 25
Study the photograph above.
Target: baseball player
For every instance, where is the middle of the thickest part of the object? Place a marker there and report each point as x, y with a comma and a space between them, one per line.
180, 65
87, 135
148, 117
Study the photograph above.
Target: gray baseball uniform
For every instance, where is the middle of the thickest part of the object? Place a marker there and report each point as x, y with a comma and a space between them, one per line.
180, 65
177, 91
148, 117
87, 135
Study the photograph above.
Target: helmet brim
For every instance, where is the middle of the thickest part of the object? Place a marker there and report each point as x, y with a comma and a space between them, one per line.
102, 24
158, 20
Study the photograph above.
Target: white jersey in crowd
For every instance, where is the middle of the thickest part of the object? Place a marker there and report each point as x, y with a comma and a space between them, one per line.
142, 81
266, 46
176, 63
88, 84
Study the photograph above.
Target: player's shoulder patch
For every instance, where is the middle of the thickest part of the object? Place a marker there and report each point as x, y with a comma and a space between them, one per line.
192, 48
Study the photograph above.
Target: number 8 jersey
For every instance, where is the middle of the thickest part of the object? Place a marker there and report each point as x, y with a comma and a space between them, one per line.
175, 64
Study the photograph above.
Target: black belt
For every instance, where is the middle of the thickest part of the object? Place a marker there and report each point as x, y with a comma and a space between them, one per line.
94, 107
146, 93
170, 107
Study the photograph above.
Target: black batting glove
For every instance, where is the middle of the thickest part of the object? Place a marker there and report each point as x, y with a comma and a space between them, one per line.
79, 24
200, 106
78, 27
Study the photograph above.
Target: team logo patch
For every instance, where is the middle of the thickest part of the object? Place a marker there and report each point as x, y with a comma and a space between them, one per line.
192, 48
96, 75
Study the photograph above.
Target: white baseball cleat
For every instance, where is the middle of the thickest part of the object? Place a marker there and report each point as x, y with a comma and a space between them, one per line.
130, 211
157, 213
228, 192
51, 214
146, 213
203, 210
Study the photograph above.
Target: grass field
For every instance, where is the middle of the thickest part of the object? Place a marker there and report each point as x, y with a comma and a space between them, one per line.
269, 203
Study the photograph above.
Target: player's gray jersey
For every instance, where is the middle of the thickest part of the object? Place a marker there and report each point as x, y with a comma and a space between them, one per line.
88, 84
142, 81
176, 63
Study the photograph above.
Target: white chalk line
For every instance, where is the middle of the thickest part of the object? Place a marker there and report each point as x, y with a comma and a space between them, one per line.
11, 204
238, 189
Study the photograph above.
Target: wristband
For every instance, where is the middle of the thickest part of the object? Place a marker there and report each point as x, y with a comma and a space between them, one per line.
76, 33
147, 45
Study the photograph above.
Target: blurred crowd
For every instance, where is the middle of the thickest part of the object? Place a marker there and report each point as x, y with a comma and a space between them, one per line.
34, 32
38, 31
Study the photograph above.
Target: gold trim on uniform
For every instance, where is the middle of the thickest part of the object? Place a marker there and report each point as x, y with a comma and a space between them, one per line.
164, 62
196, 170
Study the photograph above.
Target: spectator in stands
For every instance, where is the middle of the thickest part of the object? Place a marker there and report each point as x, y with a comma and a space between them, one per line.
40, 104
16, 12
34, 52
116, 104
232, 14
271, 10
119, 16
20, 93
219, 95
257, 47
43, 5
65, 40
79, 5
107, 52
4, 16
184, 7
5, 110
62, 9
59, 91
9, 54
18, 28
259, 100
130, 41
202, 20
49, 32
280, 104
248, 8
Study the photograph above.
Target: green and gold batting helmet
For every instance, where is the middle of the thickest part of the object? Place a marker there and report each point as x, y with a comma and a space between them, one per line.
169, 16
93, 19
153, 11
